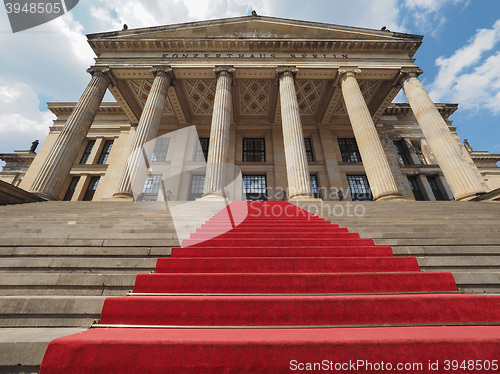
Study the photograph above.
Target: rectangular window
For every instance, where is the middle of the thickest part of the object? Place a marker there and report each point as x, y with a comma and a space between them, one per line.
402, 151
254, 150
91, 188
314, 185
359, 188
417, 192
349, 150
160, 150
197, 187
71, 189
309, 149
105, 152
201, 154
421, 157
254, 186
433, 182
151, 187
87, 152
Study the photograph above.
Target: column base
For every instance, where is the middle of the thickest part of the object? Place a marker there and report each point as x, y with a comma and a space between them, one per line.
123, 196
43, 195
304, 198
392, 197
211, 196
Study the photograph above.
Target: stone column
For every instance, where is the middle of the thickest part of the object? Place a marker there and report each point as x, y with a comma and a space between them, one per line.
219, 135
54, 171
299, 185
459, 173
378, 171
147, 129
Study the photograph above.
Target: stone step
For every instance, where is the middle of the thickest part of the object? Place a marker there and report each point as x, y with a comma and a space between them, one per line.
49, 311
444, 250
70, 251
80, 284
23, 348
77, 264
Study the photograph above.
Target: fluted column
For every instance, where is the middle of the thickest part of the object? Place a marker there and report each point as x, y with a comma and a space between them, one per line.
147, 129
56, 167
219, 134
297, 168
459, 173
378, 171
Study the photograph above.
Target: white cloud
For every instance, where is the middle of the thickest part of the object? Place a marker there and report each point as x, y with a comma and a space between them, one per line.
471, 76
21, 120
427, 15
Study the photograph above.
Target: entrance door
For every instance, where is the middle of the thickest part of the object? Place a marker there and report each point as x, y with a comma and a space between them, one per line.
255, 186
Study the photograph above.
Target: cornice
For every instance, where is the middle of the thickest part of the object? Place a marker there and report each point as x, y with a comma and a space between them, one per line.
66, 108
255, 44
404, 108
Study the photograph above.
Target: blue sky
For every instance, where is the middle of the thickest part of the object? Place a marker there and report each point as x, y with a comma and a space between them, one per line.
460, 54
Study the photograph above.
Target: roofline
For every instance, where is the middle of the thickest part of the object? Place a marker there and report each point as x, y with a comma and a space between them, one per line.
210, 22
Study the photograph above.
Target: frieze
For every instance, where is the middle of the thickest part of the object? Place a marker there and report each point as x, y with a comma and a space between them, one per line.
222, 55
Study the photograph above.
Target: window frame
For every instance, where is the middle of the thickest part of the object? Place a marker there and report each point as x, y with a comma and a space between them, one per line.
90, 191
160, 150
402, 152
253, 154
259, 193
349, 150
106, 150
201, 153
417, 193
308, 145
359, 194
87, 152
71, 188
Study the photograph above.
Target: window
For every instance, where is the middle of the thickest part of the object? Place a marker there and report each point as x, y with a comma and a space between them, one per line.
201, 154
91, 188
349, 150
197, 187
359, 187
433, 182
87, 152
254, 186
71, 189
402, 151
309, 149
151, 187
421, 157
105, 152
160, 150
417, 192
314, 185
254, 150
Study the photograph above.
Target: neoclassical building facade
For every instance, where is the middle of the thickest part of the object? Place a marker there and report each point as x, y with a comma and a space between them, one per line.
303, 109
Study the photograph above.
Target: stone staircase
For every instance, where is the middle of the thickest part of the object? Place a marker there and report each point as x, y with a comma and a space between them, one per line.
460, 237
59, 260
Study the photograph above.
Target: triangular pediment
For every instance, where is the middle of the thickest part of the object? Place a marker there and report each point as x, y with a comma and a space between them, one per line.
255, 27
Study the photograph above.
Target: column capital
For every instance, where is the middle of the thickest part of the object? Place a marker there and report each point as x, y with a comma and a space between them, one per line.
286, 71
226, 70
406, 73
102, 72
165, 70
346, 71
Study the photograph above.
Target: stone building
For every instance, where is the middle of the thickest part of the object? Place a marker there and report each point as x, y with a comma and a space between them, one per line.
303, 109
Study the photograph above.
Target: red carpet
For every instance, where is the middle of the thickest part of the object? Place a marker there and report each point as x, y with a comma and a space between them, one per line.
279, 291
